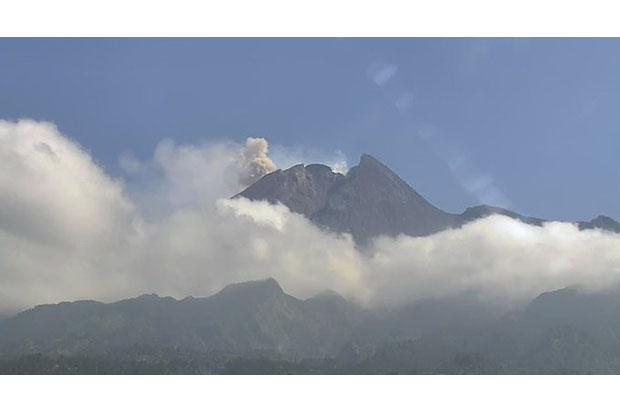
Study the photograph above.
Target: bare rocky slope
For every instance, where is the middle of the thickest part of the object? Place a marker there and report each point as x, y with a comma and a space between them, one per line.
371, 200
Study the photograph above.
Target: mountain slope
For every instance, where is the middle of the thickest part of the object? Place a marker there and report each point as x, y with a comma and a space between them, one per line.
255, 327
371, 200
241, 318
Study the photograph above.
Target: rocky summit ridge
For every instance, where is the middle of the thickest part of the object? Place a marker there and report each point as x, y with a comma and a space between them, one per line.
371, 200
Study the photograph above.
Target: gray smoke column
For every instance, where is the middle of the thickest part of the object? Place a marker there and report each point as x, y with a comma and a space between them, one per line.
255, 162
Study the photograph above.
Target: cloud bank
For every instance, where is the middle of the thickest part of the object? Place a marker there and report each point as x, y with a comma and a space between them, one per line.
70, 231
179, 175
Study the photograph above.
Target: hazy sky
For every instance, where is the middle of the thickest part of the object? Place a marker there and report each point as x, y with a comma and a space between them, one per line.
530, 124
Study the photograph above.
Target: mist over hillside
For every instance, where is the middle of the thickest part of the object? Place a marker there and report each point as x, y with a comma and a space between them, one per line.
257, 328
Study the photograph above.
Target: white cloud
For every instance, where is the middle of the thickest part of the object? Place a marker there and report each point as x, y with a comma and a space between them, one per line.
182, 175
501, 259
51, 189
69, 231
61, 218
381, 74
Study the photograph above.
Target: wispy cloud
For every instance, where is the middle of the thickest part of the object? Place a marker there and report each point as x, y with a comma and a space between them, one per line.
382, 73
403, 101
479, 184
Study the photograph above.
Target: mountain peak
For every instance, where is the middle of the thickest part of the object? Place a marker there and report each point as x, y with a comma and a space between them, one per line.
370, 163
318, 169
483, 211
327, 297
326, 294
266, 286
601, 222
370, 200
366, 159
303, 189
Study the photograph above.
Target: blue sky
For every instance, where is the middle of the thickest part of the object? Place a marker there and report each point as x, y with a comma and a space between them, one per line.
531, 124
